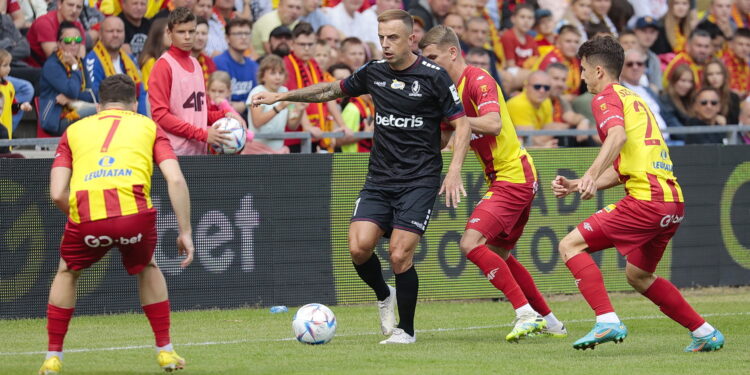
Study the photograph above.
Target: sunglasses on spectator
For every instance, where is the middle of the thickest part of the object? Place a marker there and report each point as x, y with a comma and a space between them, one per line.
707, 102
71, 39
541, 87
639, 64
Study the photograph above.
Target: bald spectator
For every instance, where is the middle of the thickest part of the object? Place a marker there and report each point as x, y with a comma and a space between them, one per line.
333, 37
696, 54
287, 14
312, 14
532, 108
42, 35
431, 12
349, 20
108, 57
136, 25
381, 6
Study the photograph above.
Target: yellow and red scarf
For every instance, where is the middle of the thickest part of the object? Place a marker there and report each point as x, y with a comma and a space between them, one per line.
316, 112
494, 44
109, 69
68, 112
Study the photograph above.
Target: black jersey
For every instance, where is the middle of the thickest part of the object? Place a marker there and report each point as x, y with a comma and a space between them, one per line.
409, 106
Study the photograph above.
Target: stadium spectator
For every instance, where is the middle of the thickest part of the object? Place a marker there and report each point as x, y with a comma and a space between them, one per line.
312, 14
274, 118
172, 5
346, 17
304, 71
696, 53
466, 9
718, 39
652, 8
17, 46
632, 72
620, 13
628, 40
65, 94
718, 15
532, 108
479, 57
646, 31
4, 134
563, 116
340, 71
706, 111
258, 8
736, 58
203, 8
42, 35
431, 12
136, 25
219, 91
578, 15
353, 53
89, 202
242, 69
418, 34
322, 54
477, 35
745, 120
12, 40
157, 43
280, 40
33, 9
109, 58
222, 12
599, 11
199, 46
13, 9
544, 27
675, 101
457, 24
716, 76
566, 47
381, 6
177, 93
11, 102
740, 17
90, 18
678, 23
517, 43
333, 36
287, 14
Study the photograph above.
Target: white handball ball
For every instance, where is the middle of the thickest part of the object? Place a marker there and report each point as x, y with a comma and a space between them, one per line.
314, 324
237, 133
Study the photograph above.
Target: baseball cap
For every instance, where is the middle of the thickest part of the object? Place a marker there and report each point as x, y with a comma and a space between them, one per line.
541, 13
281, 31
647, 21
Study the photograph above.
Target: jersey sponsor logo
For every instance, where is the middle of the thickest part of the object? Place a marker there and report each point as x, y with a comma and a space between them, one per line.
587, 226
670, 219
415, 89
454, 92
117, 172
105, 241
664, 154
397, 85
474, 220
399, 122
492, 273
380, 83
662, 165
484, 88
106, 161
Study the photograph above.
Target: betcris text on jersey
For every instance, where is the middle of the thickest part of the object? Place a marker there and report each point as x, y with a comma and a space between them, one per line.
399, 122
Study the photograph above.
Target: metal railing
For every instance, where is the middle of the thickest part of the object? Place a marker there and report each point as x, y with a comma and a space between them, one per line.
733, 132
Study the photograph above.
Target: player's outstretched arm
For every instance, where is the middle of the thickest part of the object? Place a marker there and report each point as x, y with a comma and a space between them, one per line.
180, 198
318, 93
611, 147
453, 187
608, 179
59, 188
489, 123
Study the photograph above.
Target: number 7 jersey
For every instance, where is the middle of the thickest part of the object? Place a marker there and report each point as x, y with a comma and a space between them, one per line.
644, 165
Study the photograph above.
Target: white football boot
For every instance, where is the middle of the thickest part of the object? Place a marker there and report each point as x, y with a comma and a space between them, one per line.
387, 310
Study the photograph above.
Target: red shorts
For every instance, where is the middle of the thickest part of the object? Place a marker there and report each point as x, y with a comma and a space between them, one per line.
640, 230
86, 243
503, 212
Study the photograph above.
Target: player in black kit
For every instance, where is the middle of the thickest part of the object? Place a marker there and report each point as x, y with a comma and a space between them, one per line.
412, 95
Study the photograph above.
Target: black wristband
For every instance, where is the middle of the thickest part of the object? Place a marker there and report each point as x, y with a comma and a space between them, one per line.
275, 109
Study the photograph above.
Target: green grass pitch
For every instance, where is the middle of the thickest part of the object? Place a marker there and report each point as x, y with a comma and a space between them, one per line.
462, 337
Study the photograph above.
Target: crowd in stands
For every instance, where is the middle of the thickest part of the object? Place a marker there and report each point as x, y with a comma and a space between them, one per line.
688, 59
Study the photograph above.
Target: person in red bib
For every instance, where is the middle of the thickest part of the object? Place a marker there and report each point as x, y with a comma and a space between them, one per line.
498, 220
640, 225
101, 179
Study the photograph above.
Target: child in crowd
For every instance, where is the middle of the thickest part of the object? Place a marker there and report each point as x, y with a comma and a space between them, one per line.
8, 93
219, 91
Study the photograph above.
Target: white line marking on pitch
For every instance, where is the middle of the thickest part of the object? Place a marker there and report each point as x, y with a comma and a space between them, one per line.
231, 342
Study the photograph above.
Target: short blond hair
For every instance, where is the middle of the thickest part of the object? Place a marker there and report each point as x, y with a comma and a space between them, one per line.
270, 62
441, 36
220, 76
5, 55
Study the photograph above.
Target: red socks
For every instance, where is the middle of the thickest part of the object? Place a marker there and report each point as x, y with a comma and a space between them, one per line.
158, 316
671, 302
57, 326
526, 282
590, 282
498, 273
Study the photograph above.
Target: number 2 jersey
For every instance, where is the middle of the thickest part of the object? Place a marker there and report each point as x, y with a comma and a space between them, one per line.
112, 156
409, 106
502, 156
644, 165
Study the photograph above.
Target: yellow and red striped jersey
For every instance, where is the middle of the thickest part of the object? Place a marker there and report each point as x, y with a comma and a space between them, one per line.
112, 157
503, 157
644, 164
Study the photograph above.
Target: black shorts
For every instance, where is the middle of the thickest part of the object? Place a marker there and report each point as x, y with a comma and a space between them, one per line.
405, 208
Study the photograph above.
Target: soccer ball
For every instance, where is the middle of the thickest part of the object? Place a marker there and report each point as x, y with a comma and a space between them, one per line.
238, 135
314, 324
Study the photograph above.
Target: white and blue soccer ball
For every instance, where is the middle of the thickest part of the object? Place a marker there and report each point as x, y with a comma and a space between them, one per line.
237, 133
314, 324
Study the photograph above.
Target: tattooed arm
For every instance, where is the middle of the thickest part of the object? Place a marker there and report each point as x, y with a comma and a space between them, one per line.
321, 92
